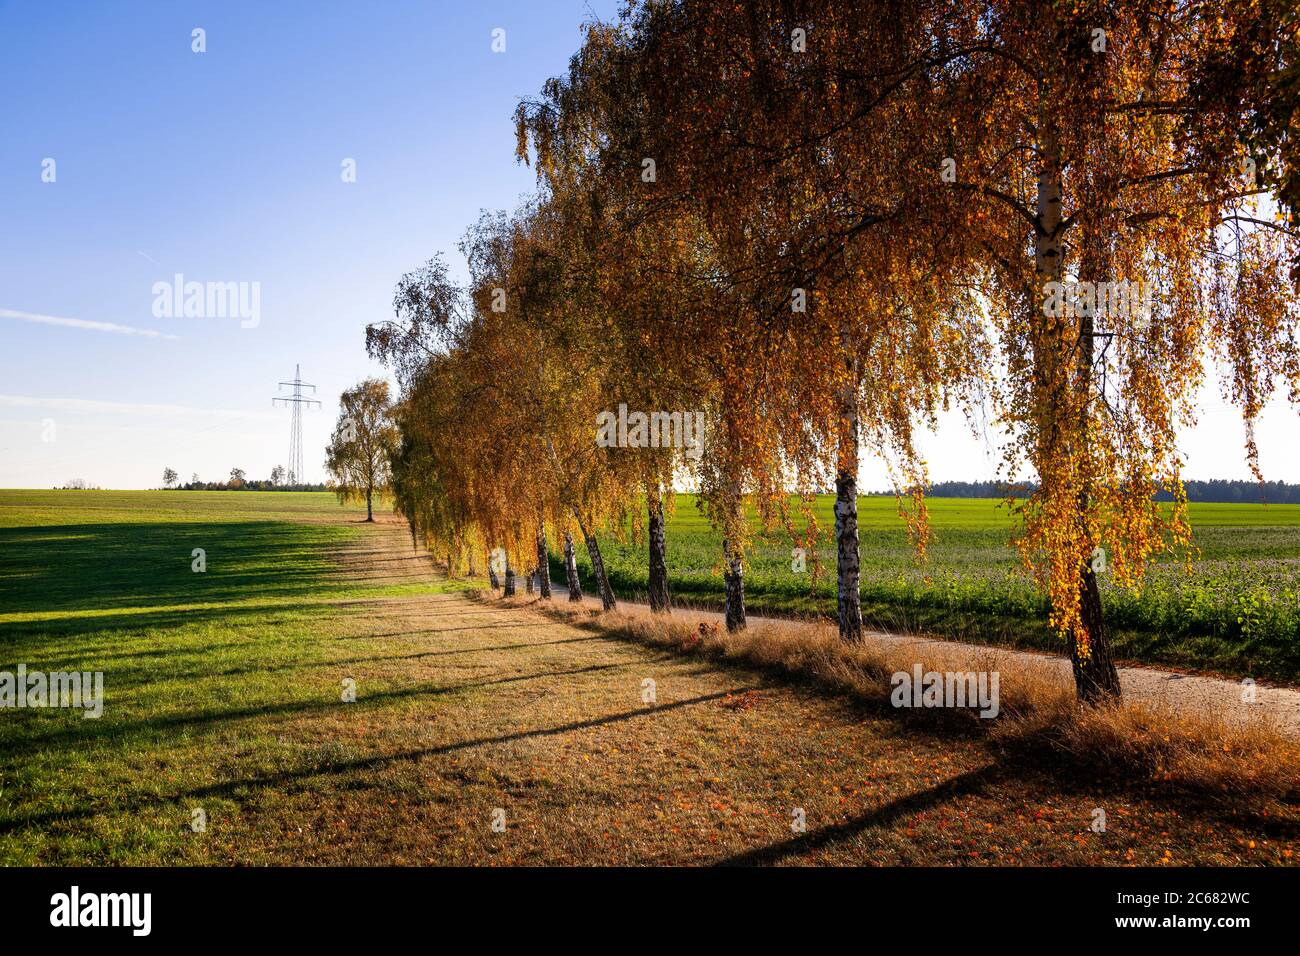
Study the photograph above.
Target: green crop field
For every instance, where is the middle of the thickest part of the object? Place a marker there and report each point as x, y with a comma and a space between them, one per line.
74, 560
1237, 612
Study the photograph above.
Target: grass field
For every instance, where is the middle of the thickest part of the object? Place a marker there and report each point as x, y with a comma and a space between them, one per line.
1237, 613
103, 581
222, 694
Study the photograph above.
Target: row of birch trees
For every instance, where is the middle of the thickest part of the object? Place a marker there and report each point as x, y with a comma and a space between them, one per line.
823, 224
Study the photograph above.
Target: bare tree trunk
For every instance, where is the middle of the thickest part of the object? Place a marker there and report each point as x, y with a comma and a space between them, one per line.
451, 566
734, 576
510, 578
492, 573
370, 511
733, 570
571, 570
660, 602
543, 562
528, 581
847, 562
607, 600
1095, 676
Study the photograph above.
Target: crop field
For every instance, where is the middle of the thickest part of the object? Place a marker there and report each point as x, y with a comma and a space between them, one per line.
1238, 612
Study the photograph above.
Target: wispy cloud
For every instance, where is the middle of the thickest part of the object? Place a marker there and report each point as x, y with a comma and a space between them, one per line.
83, 324
130, 408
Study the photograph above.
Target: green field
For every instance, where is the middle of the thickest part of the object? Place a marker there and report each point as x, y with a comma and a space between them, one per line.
1238, 612
222, 694
195, 663
72, 560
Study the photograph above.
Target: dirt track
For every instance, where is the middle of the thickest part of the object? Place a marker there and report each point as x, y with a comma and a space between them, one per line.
1279, 706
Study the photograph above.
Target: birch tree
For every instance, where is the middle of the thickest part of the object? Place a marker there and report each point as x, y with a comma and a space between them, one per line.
358, 455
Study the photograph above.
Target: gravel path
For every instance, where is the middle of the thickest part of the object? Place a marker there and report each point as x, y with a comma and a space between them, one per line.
1185, 692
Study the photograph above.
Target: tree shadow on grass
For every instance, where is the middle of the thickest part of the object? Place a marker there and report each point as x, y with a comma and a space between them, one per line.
35, 635
89, 732
973, 781
66, 568
106, 658
260, 667
287, 778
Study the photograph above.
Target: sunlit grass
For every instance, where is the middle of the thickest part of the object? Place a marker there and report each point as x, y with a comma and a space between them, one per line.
200, 668
223, 694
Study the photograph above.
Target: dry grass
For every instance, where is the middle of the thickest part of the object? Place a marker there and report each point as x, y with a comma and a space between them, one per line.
464, 707
1207, 754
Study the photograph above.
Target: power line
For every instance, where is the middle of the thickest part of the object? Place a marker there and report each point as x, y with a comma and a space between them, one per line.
295, 402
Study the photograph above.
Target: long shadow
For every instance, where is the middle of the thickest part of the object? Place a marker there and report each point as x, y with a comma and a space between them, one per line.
70, 656
140, 564
19, 632
458, 652
285, 777
328, 662
490, 626
972, 781
87, 732
406, 613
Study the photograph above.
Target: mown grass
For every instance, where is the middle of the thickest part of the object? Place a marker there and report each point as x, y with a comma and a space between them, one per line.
1238, 612
223, 694
1223, 748
197, 666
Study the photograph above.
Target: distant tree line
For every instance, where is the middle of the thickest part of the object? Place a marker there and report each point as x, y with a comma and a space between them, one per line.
1219, 489
254, 485
1215, 490
280, 480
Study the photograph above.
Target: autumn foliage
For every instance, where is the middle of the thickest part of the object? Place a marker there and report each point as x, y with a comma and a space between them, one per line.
820, 225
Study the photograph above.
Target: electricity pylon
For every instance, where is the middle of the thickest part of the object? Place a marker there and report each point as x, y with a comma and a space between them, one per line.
296, 401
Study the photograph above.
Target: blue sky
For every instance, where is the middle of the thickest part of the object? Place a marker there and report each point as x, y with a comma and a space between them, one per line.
225, 166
